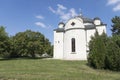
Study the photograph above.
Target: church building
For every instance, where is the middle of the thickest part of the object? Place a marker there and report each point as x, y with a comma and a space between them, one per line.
71, 38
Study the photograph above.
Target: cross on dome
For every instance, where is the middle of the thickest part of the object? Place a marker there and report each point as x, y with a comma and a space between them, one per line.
80, 12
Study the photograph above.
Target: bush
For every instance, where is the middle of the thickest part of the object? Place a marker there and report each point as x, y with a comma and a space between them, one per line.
113, 54
97, 52
104, 52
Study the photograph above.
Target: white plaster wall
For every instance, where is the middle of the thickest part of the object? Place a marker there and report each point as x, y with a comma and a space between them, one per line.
58, 45
80, 41
78, 33
62, 41
101, 29
88, 24
89, 34
97, 22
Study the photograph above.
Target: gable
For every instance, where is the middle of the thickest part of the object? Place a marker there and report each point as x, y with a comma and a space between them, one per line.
74, 23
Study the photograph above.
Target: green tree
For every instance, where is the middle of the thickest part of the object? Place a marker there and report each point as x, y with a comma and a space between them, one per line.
105, 51
4, 43
30, 44
113, 53
97, 52
47, 47
116, 25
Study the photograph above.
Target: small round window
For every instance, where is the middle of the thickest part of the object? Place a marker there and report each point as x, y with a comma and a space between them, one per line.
72, 23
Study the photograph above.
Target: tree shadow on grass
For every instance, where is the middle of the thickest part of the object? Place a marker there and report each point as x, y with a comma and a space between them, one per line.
20, 58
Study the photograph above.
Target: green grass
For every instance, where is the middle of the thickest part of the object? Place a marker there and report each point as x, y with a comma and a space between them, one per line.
41, 69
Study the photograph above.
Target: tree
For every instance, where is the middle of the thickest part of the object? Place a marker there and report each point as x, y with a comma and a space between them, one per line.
47, 47
105, 51
30, 44
113, 53
4, 43
97, 46
116, 25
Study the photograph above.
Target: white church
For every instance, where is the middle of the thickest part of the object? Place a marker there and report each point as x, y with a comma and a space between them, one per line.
71, 38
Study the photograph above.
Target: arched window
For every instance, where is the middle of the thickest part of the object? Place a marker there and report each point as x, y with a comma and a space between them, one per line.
73, 44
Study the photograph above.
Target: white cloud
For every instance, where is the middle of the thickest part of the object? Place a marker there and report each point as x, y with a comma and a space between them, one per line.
40, 24
111, 2
73, 13
61, 7
51, 9
63, 13
39, 17
117, 8
115, 3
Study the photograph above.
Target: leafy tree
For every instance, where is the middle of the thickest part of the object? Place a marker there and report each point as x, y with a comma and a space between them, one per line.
116, 25
4, 43
30, 44
47, 46
27, 43
23, 44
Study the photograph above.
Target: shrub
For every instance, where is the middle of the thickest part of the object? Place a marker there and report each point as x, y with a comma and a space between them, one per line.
113, 54
104, 52
97, 51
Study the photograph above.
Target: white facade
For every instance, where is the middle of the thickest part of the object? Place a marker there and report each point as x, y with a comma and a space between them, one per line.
71, 39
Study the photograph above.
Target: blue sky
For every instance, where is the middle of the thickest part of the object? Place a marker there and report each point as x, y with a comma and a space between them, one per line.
44, 15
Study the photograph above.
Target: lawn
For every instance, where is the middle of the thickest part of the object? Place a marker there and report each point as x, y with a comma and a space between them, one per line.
42, 69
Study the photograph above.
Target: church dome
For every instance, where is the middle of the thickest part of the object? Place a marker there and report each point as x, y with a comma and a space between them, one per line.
87, 22
61, 25
85, 19
96, 18
97, 21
